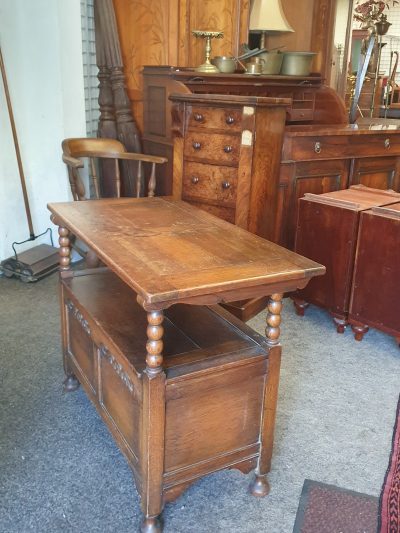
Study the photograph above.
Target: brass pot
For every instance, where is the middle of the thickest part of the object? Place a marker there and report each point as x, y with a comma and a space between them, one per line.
297, 63
225, 64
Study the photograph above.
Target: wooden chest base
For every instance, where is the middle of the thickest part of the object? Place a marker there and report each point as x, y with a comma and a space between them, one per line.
215, 372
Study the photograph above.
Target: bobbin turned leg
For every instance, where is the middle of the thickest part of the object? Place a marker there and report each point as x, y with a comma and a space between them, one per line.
153, 426
260, 485
70, 383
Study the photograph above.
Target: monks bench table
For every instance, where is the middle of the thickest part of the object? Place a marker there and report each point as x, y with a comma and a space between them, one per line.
184, 387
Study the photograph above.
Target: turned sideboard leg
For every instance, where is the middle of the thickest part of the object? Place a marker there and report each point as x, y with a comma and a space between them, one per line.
260, 485
300, 306
153, 426
70, 383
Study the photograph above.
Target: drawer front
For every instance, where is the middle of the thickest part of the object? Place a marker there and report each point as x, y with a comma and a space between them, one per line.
210, 182
210, 117
223, 149
225, 213
298, 115
339, 146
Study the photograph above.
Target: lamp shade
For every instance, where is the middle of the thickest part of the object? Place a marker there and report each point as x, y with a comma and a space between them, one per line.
268, 15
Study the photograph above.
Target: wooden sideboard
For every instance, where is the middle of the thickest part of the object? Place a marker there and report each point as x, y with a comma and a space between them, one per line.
185, 388
320, 159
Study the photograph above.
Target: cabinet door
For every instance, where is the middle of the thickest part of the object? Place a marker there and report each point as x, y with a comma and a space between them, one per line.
379, 173
315, 177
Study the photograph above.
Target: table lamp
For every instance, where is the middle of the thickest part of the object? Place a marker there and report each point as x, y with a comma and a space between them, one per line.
267, 16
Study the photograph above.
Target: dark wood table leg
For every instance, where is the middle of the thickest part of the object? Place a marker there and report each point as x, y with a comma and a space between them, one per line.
153, 426
260, 485
70, 383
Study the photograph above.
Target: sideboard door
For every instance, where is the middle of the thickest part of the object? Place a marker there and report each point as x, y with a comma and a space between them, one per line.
312, 177
377, 172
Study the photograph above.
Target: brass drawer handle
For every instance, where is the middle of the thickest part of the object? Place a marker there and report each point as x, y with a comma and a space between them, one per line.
387, 143
317, 147
228, 149
196, 145
226, 185
229, 119
195, 180
198, 117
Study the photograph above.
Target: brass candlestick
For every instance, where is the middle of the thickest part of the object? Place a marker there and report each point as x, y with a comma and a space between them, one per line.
208, 35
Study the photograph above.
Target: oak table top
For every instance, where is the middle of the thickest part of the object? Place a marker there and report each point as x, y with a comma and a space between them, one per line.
170, 252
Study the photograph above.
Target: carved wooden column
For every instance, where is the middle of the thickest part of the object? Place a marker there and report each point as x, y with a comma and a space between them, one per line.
260, 485
153, 425
111, 76
70, 383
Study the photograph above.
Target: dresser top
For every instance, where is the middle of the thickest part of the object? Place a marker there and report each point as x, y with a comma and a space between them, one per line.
366, 127
168, 251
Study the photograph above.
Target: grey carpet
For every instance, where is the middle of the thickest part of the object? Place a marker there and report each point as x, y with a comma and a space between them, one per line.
61, 471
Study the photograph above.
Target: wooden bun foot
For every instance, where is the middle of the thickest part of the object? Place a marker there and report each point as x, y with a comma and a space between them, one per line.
70, 383
340, 324
359, 332
259, 486
151, 525
300, 306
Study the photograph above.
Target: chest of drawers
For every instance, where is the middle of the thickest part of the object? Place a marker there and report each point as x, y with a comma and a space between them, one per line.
227, 156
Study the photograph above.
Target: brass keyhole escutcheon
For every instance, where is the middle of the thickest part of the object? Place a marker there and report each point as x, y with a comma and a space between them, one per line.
317, 147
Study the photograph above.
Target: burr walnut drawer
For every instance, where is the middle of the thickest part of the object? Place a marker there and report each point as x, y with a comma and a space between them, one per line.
217, 148
339, 146
210, 117
210, 182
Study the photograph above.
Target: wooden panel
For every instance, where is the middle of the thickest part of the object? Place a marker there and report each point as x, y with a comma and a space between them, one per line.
80, 344
119, 398
379, 173
226, 405
326, 176
375, 297
328, 234
226, 213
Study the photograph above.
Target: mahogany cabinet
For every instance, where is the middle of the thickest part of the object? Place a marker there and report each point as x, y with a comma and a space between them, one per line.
327, 231
375, 294
319, 159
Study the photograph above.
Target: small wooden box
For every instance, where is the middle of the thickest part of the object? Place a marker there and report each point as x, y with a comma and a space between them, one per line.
326, 232
215, 368
375, 295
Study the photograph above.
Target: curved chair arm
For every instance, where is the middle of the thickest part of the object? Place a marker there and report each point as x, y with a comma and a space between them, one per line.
72, 161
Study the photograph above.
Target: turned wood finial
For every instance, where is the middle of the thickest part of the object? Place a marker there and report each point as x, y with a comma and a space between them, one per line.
65, 248
272, 331
154, 345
